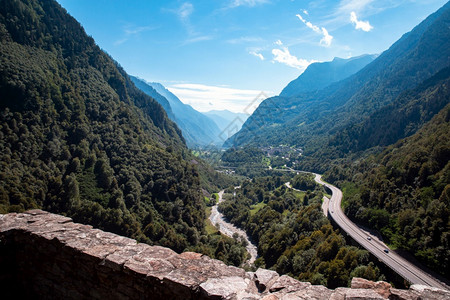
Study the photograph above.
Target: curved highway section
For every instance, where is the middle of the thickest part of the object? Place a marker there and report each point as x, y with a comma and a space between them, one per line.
397, 263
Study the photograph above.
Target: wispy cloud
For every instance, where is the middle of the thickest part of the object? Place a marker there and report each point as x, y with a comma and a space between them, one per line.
305, 12
363, 7
130, 31
279, 43
285, 57
251, 3
184, 13
197, 39
363, 25
185, 10
259, 55
338, 14
206, 97
346, 6
326, 37
245, 39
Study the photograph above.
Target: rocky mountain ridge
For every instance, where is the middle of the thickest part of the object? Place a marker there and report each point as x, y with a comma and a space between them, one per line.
321, 74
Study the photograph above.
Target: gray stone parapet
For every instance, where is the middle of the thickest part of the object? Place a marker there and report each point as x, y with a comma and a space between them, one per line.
47, 256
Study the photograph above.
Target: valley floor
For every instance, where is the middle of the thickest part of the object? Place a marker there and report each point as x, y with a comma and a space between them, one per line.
218, 220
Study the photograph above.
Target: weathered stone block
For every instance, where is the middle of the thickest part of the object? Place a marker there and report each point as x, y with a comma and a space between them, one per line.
223, 287
265, 278
381, 287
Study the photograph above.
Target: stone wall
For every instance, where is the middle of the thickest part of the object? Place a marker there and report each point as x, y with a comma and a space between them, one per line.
47, 256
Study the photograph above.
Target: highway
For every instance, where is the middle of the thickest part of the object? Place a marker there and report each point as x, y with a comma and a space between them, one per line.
404, 268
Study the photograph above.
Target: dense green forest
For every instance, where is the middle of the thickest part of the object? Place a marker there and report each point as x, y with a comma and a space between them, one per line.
292, 234
404, 192
78, 138
382, 136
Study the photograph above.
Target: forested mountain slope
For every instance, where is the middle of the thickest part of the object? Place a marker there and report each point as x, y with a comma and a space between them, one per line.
78, 138
308, 119
405, 192
198, 129
401, 118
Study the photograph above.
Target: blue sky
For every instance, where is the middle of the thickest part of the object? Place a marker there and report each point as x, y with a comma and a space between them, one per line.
221, 54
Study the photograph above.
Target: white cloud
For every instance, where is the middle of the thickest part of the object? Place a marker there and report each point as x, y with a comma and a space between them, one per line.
259, 55
363, 25
251, 3
285, 57
305, 12
339, 15
185, 11
279, 43
326, 37
309, 24
205, 97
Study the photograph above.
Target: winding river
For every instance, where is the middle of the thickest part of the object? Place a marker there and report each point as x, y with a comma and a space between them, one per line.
229, 229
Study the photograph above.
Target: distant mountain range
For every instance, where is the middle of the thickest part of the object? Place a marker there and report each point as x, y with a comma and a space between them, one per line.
198, 129
320, 75
316, 119
225, 118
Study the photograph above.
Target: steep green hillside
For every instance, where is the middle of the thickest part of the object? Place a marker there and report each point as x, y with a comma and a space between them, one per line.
78, 138
404, 116
405, 192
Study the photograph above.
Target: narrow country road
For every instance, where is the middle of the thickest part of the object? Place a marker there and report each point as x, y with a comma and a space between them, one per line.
289, 186
397, 263
229, 229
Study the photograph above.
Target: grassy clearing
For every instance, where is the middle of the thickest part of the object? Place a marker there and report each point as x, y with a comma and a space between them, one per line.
209, 227
348, 189
255, 208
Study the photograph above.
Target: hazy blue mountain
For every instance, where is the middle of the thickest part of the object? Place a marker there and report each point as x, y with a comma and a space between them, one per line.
198, 130
226, 118
143, 86
320, 75
310, 119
